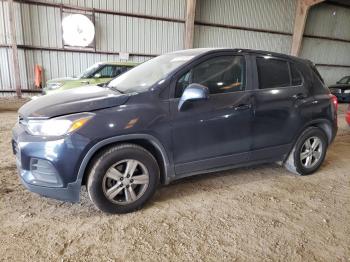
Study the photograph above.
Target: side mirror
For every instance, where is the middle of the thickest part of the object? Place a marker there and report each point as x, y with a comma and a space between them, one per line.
98, 75
193, 92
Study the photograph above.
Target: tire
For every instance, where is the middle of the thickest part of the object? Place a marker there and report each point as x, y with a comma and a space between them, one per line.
296, 163
109, 175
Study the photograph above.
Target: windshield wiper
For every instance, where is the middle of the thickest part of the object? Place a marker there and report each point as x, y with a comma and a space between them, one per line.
115, 89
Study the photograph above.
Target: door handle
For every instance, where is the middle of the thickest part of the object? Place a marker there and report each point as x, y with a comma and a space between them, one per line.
299, 96
242, 107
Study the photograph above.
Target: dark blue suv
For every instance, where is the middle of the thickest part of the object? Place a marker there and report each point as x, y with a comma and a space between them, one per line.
177, 115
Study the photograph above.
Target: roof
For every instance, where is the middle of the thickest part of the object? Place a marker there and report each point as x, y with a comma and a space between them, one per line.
197, 51
127, 63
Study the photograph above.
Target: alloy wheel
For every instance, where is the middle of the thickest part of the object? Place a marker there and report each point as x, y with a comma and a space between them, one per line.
311, 152
125, 182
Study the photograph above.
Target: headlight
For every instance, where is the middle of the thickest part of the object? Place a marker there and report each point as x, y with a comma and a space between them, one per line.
54, 85
347, 91
58, 126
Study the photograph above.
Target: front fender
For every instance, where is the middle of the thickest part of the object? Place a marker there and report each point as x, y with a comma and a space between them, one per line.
169, 171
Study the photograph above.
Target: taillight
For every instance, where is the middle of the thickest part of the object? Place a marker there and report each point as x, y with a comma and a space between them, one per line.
335, 102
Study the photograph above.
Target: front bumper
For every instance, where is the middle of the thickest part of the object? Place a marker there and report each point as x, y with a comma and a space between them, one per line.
49, 167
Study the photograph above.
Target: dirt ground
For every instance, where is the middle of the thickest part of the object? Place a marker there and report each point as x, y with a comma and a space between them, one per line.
246, 214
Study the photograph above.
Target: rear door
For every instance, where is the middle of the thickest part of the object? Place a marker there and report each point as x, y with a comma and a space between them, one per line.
215, 132
281, 106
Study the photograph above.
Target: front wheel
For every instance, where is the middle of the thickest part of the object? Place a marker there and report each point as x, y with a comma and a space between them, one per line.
308, 153
122, 178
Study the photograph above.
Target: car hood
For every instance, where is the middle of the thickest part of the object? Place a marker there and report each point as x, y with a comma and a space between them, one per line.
341, 86
62, 79
76, 100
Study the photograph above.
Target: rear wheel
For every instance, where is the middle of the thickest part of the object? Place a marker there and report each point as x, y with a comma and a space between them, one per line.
123, 178
308, 153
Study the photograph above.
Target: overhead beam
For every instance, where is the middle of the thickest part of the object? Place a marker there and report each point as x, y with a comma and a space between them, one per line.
189, 23
301, 13
15, 63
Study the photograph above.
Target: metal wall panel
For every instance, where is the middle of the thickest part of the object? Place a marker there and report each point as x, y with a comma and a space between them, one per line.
163, 8
329, 20
4, 23
114, 33
208, 36
5, 69
332, 74
40, 26
137, 35
275, 15
326, 51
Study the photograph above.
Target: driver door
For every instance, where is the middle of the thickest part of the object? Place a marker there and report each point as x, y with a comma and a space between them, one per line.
216, 132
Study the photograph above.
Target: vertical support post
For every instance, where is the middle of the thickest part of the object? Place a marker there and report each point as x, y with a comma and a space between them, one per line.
301, 13
15, 62
189, 23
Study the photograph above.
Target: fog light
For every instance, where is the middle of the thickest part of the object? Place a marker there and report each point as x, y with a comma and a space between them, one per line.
43, 173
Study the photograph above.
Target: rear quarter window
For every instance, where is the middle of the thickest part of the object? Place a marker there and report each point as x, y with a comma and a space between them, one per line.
318, 84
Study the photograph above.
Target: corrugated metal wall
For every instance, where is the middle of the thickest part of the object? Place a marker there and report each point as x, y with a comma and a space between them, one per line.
208, 36
163, 8
248, 18
333, 22
329, 20
263, 14
40, 26
257, 24
270, 15
114, 33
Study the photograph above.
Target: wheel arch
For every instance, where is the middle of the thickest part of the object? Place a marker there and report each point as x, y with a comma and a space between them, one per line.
326, 128
148, 142
323, 124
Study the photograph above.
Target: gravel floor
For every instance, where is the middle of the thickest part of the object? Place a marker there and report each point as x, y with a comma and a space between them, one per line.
246, 214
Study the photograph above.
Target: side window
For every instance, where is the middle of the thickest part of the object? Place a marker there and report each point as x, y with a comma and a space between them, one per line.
221, 74
296, 76
106, 72
272, 73
117, 70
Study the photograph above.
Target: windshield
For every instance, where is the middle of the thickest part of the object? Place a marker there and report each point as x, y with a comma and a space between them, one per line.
142, 77
344, 80
88, 72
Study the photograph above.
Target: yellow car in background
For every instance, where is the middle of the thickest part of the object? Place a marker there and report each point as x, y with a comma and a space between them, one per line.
97, 74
